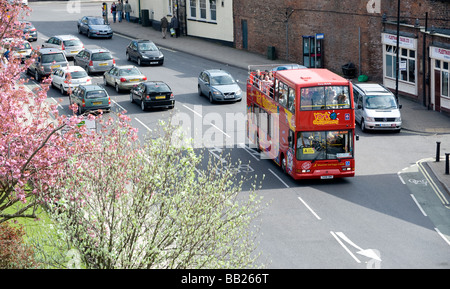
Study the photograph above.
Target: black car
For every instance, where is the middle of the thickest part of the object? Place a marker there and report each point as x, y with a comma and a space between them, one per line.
94, 26
152, 94
144, 52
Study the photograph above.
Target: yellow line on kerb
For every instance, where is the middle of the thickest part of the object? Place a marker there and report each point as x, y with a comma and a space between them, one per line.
435, 188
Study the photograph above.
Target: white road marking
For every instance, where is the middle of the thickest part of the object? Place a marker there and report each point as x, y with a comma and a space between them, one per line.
143, 124
345, 247
309, 208
418, 205
278, 178
442, 236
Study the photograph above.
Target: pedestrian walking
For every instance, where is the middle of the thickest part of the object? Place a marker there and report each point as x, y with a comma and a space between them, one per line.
164, 25
127, 10
119, 9
114, 11
175, 26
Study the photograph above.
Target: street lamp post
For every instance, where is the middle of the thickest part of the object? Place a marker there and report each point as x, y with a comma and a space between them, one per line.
288, 15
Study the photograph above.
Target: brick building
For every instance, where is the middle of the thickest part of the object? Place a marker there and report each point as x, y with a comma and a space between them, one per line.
329, 34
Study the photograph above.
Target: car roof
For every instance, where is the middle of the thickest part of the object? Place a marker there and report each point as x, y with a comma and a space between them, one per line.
154, 82
72, 68
94, 50
67, 37
217, 72
91, 87
49, 50
124, 66
94, 17
143, 40
372, 88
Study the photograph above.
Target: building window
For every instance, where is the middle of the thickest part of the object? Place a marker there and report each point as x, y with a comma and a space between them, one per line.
170, 9
193, 6
202, 9
212, 9
407, 60
444, 73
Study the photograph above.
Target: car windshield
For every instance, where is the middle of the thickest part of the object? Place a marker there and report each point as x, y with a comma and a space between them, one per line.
96, 94
77, 74
101, 56
129, 71
56, 57
147, 46
157, 87
73, 42
96, 21
380, 102
222, 80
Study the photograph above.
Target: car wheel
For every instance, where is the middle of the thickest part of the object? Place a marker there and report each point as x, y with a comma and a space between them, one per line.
79, 111
139, 61
36, 76
131, 97
199, 91
211, 99
105, 83
117, 88
88, 34
79, 30
142, 105
87, 70
61, 88
363, 125
171, 107
128, 57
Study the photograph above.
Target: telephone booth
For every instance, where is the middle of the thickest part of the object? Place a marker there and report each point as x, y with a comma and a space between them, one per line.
313, 51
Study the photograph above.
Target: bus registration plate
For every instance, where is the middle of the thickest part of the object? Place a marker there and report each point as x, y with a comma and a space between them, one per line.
326, 177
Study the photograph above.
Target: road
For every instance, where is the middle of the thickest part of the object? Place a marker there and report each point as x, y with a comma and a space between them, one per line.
370, 221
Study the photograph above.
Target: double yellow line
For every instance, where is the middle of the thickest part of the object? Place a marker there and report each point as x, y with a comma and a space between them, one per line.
433, 185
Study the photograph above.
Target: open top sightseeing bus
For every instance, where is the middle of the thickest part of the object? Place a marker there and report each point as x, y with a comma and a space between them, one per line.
303, 119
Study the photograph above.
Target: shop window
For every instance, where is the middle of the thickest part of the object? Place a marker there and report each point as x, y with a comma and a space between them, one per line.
407, 58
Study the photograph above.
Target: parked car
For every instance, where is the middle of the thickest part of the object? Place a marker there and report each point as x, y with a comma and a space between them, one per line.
144, 52
376, 107
68, 44
90, 98
152, 94
94, 26
69, 77
218, 85
29, 31
94, 60
20, 48
123, 77
47, 59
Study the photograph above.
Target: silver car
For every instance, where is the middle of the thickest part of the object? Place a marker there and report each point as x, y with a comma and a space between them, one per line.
47, 59
123, 77
218, 85
68, 44
94, 60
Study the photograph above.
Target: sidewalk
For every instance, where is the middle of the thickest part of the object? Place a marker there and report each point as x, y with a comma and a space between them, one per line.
416, 118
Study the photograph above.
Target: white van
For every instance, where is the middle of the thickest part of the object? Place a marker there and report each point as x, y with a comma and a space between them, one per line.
376, 107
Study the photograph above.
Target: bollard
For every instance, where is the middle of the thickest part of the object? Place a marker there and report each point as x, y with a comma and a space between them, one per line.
446, 163
438, 148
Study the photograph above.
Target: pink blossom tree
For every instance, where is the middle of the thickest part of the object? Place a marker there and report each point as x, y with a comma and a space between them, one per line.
31, 144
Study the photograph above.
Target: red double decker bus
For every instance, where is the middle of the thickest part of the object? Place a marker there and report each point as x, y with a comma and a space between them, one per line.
304, 120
